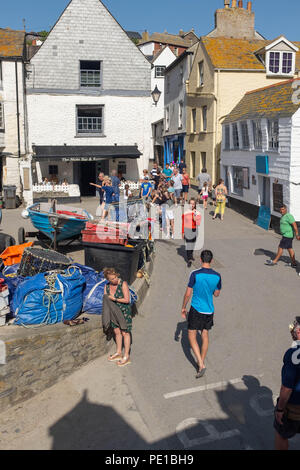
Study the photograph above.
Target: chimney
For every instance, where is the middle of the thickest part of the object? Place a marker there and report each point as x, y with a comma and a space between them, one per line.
181, 33
234, 22
145, 36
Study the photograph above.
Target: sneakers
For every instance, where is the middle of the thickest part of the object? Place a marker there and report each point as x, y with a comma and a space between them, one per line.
189, 264
269, 262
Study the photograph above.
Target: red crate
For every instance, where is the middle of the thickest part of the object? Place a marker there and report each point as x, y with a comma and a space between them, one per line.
114, 235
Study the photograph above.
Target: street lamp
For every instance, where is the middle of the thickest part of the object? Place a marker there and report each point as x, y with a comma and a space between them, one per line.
156, 95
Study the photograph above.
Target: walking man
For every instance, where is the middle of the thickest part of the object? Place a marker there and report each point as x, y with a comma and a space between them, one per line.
287, 411
288, 228
177, 178
116, 185
204, 284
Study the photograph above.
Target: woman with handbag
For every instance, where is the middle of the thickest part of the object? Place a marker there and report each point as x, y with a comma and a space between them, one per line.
116, 303
221, 194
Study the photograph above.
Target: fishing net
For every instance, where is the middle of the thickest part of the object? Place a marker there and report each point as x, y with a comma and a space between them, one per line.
38, 260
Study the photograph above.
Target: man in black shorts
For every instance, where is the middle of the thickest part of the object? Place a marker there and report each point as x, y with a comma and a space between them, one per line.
204, 284
287, 411
288, 229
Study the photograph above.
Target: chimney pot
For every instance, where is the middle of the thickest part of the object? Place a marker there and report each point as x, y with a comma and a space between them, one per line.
249, 6
234, 3
240, 3
226, 3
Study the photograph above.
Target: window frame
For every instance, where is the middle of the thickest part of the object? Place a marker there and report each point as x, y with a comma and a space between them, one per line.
273, 137
244, 174
88, 86
235, 136
156, 67
245, 136
89, 132
194, 120
280, 71
204, 118
180, 115
2, 124
227, 137
201, 73
256, 125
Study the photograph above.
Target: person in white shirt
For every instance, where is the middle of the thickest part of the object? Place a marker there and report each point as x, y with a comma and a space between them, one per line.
204, 194
127, 192
177, 178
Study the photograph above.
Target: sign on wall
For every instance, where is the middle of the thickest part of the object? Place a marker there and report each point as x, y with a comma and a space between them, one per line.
262, 164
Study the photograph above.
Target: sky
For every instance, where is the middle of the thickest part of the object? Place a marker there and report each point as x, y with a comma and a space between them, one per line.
273, 17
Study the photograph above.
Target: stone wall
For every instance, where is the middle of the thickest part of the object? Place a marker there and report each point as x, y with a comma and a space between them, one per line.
37, 358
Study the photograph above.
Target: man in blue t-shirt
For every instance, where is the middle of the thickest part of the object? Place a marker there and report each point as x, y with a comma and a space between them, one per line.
287, 411
146, 188
204, 284
168, 172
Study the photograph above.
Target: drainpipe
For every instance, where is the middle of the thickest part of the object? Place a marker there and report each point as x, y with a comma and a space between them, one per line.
18, 109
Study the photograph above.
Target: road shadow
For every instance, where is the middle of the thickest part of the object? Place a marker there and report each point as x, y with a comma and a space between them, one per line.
247, 423
181, 251
90, 426
271, 255
181, 334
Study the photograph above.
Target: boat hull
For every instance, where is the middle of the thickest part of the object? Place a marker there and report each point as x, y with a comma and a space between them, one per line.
67, 226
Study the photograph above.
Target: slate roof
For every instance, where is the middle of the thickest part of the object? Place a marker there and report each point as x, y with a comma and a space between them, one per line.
273, 101
238, 54
166, 38
11, 43
134, 35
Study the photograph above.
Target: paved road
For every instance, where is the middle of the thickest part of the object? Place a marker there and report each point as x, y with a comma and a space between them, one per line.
156, 402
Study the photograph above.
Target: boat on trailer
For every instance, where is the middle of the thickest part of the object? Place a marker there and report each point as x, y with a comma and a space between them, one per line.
56, 222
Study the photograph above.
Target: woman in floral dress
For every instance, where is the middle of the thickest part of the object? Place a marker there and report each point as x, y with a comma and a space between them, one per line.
117, 291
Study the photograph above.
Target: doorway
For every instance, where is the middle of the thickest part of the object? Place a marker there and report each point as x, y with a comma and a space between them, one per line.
87, 175
264, 191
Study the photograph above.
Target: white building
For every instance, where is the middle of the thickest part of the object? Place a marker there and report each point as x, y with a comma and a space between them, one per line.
160, 62
260, 158
13, 138
89, 99
175, 102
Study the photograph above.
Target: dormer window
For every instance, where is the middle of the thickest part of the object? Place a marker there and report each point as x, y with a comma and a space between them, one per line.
281, 58
281, 63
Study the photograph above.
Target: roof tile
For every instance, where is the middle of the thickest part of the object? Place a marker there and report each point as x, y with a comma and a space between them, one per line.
11, 43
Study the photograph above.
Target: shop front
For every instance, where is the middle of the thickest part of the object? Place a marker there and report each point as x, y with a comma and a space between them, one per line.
62, 166
174, 150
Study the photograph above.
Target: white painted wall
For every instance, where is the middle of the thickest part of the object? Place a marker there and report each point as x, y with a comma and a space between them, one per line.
284, 165
147, 49
157, 112
52, 121
9, 144
177, 93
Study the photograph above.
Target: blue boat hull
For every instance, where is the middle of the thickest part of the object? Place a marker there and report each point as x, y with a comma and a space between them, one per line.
68, 227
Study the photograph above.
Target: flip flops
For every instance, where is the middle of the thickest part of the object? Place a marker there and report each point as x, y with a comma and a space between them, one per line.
114, 357
124, 362
201, 373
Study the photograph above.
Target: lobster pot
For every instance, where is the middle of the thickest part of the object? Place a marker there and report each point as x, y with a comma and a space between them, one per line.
38, 260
